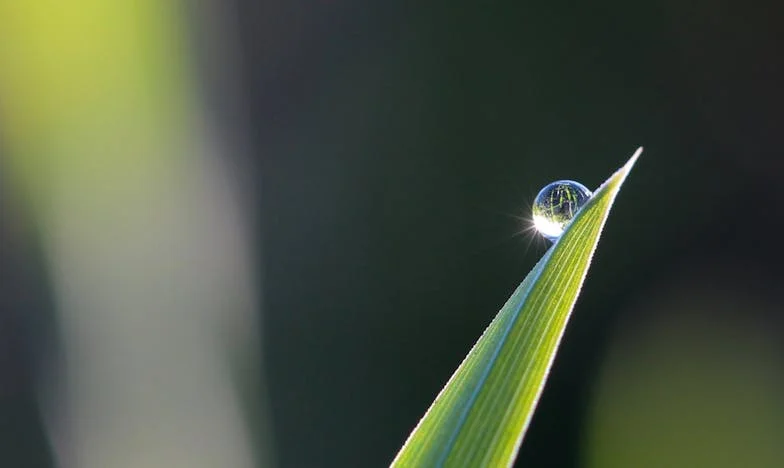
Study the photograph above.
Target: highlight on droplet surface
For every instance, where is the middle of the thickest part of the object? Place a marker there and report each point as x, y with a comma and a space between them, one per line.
556, 204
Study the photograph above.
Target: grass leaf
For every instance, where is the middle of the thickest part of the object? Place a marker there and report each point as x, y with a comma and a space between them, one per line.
481, 415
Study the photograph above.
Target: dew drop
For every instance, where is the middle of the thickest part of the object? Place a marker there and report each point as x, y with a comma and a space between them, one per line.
556, 204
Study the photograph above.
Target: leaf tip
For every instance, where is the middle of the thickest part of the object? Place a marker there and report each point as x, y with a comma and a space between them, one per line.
620, 174
633, 159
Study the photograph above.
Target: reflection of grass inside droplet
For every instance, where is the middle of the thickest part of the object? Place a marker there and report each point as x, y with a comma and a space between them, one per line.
701, 387
556, 205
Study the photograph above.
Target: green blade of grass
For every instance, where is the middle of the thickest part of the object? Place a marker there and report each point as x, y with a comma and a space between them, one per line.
482, 413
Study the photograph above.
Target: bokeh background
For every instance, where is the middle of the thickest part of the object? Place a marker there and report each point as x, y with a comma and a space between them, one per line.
265, 233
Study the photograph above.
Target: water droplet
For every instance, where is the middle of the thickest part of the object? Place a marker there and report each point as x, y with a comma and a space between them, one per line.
556, 204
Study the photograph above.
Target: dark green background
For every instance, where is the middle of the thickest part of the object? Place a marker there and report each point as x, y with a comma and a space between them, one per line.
396, 143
